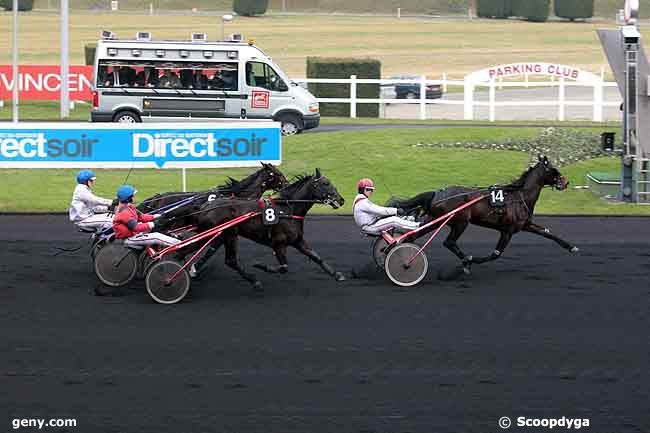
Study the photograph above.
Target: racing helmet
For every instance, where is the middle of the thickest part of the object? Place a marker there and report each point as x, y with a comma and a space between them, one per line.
365, 183
84, 176
125, 193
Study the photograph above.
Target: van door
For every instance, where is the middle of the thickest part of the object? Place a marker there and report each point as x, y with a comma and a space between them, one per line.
267, 91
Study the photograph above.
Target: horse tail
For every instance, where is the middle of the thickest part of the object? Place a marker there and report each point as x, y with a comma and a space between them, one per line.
419, 201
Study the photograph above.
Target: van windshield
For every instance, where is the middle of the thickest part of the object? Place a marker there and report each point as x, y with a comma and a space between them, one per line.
166, 75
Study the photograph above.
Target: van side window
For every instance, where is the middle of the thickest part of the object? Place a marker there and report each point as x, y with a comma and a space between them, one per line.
220, 76
262, 75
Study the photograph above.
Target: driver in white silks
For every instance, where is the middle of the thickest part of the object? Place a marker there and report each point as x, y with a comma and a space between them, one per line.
374, 219
88, 211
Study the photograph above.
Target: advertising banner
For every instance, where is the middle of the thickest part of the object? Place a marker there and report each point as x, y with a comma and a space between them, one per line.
43, 82
160, 145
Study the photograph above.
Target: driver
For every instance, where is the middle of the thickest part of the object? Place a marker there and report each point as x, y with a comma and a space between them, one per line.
134, 225
88, 211
374, 219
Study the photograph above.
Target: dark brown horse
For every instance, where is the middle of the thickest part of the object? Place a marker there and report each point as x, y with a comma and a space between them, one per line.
269, 177
290, 207
507, 209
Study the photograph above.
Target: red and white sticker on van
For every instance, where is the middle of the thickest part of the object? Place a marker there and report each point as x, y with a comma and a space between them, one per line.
260, 99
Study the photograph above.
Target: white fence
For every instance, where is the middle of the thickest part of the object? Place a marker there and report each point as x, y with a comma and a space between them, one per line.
465, 97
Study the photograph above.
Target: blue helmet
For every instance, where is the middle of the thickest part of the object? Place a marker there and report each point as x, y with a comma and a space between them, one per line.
84, 176
125, 193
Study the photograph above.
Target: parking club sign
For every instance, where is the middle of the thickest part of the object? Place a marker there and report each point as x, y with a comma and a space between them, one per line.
169, 145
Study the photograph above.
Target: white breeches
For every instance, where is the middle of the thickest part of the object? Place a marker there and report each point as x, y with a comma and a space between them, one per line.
392, 222
95, 223
142, 240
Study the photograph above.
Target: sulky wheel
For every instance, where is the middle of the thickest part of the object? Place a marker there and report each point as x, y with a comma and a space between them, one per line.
115, 264
399, 270
96, 246
159, 286
378, 251
144, 261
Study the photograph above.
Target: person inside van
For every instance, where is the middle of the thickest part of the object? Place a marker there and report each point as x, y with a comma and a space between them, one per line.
148, 77
229, 79
216, 82
127, 76
112, 78
187, 78
170, 79
200, 80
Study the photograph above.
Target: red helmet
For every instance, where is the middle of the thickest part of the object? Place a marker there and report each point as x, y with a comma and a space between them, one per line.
365, 183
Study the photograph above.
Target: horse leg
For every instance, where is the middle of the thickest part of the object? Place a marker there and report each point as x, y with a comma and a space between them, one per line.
280, 252
304, 248
503, 242
209, 252
546, 233
232, 262
457, 227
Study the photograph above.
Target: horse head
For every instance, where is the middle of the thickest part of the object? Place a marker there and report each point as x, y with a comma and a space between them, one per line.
325, 190
551, 175
272, 177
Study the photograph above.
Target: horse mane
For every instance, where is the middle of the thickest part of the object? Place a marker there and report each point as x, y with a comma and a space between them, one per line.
521, 181
298, 182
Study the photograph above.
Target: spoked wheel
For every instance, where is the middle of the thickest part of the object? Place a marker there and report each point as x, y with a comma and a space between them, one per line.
144, 261
399, 270
379, 251
160, 286
116, 265
94, 249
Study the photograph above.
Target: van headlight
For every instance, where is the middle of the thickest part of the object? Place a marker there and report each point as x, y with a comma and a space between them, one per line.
313, 107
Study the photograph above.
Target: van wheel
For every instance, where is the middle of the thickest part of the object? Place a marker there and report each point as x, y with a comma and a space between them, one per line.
291, 124
126, 117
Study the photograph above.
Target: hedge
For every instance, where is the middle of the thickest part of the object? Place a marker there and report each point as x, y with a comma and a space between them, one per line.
248, 8
320, 67
532, 10
494, 8
573, 9
23, 5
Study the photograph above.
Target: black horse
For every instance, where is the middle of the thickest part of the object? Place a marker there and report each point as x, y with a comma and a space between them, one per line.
269, 177
290, 208
509, 215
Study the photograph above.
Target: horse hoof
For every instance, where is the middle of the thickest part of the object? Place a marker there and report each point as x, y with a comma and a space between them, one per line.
339, 276
467, 270
574, 249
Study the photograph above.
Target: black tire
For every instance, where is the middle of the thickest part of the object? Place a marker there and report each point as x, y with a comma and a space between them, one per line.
397, 268
127, 116
94, 249
116, 265
160, 289
291, 124
379, 252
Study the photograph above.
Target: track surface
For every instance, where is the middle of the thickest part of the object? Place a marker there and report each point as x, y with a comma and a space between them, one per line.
541, 333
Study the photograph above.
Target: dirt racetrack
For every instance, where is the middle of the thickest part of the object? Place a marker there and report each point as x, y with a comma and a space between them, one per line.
539, 334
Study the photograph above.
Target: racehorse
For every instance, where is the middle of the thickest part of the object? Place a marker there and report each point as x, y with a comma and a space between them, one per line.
290, 207
269, 177
515, 213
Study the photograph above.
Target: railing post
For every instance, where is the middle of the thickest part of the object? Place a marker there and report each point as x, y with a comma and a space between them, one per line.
492, 101
444, 82
562, 95
353, 96
468, 99
423, 97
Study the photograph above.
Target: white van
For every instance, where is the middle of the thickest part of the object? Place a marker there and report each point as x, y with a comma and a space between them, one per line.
143, 80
